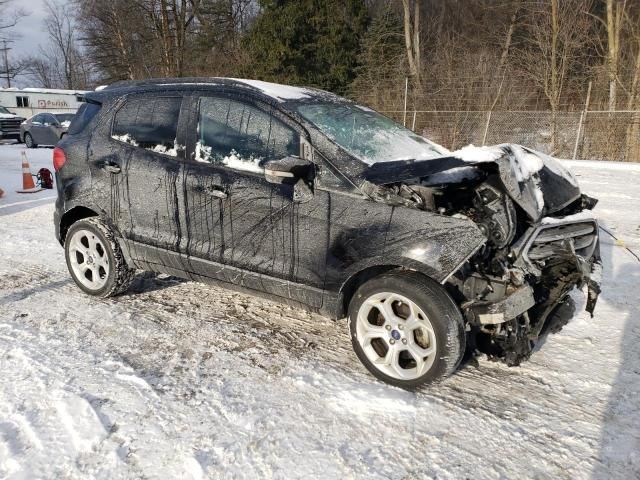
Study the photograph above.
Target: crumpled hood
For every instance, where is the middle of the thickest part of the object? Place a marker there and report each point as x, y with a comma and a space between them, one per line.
538, 183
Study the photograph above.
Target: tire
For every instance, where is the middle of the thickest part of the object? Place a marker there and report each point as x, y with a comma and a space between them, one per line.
380, 309
28, 140
95, 260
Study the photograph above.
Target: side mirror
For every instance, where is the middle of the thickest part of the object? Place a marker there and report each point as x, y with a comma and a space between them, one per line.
288, 170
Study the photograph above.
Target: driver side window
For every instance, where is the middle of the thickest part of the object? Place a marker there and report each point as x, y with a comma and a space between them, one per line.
241, 136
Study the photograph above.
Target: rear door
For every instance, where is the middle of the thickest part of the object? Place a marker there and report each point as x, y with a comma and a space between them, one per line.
137, 173
50, 130
37, 130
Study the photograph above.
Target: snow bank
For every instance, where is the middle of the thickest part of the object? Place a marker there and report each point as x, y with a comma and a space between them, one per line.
178, 379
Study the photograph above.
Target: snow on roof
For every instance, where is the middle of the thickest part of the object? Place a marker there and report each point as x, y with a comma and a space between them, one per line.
275, 90
43, 90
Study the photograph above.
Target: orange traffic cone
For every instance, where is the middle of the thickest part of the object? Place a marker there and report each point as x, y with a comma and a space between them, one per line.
28, 186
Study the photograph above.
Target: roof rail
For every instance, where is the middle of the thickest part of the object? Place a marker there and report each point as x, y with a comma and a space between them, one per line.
160, 81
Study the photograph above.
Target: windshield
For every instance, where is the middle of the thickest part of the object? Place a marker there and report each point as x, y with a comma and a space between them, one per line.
64, 117
4, 110
368, 135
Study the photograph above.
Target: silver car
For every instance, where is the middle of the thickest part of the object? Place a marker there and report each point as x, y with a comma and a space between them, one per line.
45, 128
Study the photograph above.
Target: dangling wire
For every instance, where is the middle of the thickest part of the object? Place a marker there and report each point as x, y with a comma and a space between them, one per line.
620, 243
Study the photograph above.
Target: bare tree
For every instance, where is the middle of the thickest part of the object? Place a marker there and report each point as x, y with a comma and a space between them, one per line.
10, 16
613, 25
63, 52
411, 10
171, 20
557, 37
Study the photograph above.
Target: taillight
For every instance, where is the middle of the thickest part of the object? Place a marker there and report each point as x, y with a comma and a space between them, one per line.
58, 158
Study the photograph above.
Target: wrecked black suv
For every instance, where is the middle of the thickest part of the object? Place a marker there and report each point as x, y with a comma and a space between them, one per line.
310, 199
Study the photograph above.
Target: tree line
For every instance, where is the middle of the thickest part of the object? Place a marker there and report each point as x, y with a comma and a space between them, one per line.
444, 54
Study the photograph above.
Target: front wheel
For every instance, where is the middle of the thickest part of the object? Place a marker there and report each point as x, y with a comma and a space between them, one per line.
406, 330
95, 260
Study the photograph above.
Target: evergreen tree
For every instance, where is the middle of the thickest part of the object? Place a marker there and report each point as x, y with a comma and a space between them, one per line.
307, 42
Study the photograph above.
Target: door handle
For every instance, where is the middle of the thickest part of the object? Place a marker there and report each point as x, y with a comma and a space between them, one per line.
111, 166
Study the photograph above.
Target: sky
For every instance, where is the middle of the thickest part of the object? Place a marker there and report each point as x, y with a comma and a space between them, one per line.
28, 34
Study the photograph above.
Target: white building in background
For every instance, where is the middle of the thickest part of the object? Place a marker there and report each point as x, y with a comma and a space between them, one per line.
26, 102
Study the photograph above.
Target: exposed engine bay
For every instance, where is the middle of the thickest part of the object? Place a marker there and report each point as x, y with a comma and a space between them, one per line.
515, 287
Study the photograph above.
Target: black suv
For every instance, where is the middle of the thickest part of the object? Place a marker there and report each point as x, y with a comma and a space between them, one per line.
311, 199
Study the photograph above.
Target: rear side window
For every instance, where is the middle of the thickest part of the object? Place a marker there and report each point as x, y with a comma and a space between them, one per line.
241, 136
84, 115
149, 123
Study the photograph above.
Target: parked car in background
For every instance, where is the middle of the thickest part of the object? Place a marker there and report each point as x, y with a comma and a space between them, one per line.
9, 125
311, 199
45, 128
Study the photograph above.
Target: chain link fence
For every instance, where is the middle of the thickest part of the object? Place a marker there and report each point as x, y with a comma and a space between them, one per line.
600, 135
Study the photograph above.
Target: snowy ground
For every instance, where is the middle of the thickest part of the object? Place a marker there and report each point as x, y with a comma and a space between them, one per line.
181, 380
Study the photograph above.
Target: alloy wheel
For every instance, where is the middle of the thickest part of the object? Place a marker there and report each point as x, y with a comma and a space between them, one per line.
89, 259
396, 336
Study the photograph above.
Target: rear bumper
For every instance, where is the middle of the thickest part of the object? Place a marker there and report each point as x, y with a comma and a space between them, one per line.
58, 210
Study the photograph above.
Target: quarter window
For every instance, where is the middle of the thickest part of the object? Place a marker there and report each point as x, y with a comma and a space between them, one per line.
149, 123
240, 136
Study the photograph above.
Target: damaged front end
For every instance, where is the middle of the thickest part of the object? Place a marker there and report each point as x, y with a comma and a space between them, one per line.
541, 242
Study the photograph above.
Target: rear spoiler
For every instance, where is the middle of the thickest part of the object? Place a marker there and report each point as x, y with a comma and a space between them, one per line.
91, 97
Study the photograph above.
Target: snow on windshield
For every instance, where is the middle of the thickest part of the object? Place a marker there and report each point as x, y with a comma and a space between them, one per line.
367, 135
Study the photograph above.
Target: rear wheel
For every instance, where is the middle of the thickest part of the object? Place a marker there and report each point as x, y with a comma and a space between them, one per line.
28, 140
406, 330
95, 260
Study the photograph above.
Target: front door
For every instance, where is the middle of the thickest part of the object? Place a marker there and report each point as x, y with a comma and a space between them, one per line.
38, 129
137, 174
252, 226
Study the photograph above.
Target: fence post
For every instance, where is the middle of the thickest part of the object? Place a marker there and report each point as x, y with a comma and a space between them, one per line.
406, 90
413, 122
575, 147
583, 116
486, 128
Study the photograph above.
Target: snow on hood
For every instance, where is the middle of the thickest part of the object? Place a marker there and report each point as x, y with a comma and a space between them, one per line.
526, 163
8, 115
536, 181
